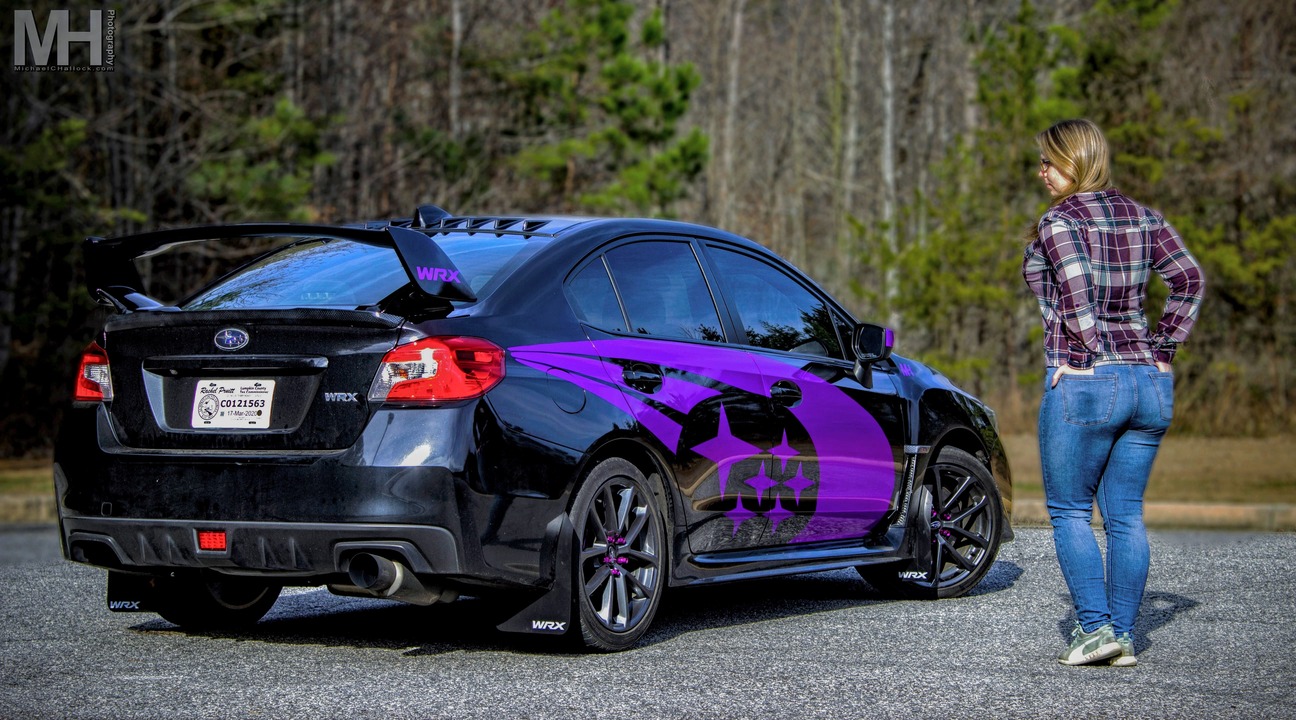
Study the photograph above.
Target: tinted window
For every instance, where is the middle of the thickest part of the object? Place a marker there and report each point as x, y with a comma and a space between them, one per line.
319, 273
777, 311
846, 331
486, 261
593, 298
346, 274
663, 290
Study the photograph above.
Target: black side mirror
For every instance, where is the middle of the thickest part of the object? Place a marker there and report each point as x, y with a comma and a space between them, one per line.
873, 344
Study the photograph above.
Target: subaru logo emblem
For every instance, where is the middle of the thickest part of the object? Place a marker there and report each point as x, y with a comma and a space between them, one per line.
231, 339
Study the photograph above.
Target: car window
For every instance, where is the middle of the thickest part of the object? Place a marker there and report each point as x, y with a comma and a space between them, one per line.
663, 290
777, 311
845, 331
486, 262
317, 273
593, 298
337, 273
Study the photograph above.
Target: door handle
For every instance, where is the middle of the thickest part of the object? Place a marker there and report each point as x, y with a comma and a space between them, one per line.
785, 393
642, 377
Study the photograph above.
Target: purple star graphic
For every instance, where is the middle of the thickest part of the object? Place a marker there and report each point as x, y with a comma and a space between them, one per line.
778, 514
724, 449
761, 482
738, 515
799, 482
784, 452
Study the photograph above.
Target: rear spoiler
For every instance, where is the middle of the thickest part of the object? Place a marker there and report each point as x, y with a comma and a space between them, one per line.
111, 274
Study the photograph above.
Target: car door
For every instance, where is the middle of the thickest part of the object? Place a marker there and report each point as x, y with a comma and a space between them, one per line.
839, 451
651, 317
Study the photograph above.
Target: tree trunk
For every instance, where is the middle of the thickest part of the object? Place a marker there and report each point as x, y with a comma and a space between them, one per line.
9, 258
850, 152
725, 193
456, 87
887, 160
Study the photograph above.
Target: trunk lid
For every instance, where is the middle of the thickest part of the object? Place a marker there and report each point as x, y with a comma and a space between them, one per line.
297, 381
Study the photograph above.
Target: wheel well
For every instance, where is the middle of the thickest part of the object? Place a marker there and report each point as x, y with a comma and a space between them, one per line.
642, 458
964, 440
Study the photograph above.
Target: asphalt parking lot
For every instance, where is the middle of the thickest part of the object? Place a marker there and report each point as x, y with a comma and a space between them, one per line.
1215, 640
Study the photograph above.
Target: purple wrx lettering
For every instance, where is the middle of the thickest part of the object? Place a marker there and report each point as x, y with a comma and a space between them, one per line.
435, 273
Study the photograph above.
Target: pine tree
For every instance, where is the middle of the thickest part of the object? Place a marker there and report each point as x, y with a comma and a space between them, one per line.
600, 112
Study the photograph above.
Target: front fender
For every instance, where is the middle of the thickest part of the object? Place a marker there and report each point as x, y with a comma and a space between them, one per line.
952, 418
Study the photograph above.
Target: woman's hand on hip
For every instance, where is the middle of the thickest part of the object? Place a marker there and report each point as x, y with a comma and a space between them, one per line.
1163, 366
1068, 370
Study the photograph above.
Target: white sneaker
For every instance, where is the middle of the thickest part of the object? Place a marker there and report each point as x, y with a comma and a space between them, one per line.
1090, 647
1126, 657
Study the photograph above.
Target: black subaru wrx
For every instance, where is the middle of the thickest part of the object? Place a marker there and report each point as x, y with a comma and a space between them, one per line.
570, 414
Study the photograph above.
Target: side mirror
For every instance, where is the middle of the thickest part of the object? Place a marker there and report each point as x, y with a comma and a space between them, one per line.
873, 344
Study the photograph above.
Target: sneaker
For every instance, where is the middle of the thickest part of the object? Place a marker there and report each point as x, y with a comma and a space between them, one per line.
1126, 657
1090, 647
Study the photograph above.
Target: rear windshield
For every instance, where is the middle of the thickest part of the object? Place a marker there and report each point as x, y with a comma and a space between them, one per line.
335, 273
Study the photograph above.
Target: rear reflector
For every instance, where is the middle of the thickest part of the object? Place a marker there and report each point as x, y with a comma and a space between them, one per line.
211, 539
438, 369
94, 382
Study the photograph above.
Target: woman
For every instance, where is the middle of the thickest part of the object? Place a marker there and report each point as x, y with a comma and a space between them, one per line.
1108, 390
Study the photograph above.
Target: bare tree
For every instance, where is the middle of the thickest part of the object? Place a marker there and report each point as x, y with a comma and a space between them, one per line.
729, 140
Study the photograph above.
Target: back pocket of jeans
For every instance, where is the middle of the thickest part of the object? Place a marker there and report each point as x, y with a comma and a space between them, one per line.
1088, 399
1164, 384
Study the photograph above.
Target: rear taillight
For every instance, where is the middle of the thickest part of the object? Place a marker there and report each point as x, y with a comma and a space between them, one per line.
438, 369
93, 383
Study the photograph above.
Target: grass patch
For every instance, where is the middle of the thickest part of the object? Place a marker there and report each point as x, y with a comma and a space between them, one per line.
26, 477
1190, 469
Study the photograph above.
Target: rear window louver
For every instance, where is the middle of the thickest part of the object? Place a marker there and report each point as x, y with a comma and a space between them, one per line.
452, 223
488, 224
434, 219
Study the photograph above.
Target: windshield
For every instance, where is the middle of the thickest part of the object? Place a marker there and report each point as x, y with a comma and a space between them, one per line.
335, 273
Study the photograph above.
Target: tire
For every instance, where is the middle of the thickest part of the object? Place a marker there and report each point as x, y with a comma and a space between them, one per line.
212, 601
967, 525
620, 571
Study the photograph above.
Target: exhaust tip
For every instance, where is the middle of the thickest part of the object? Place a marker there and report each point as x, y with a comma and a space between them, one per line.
377, 576
373, 572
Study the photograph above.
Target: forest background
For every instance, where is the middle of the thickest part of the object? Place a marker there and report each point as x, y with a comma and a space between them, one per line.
884, 147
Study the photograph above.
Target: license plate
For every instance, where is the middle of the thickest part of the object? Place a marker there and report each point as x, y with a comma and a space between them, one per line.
233, 403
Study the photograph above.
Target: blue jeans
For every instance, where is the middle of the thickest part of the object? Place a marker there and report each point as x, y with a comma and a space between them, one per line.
1098, 436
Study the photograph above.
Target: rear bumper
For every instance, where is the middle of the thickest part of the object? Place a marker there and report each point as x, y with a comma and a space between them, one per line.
283, 550
438, 490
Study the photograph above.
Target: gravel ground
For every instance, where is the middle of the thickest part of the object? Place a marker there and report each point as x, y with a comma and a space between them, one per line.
1215, 640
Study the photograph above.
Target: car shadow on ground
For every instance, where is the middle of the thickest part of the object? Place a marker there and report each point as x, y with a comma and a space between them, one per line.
308, 616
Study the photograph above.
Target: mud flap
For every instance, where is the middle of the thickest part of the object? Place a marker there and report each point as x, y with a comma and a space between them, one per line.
132, 593
551, 613
918, 542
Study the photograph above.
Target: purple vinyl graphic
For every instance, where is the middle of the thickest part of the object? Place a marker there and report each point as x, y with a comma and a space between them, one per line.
856, 471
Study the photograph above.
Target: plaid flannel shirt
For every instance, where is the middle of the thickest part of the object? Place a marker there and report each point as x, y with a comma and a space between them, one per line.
1088, 267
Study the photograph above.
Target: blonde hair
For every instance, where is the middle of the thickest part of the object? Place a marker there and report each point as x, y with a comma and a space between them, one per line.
1078, 149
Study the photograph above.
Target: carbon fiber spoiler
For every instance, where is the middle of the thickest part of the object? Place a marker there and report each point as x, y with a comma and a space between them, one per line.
111, 274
